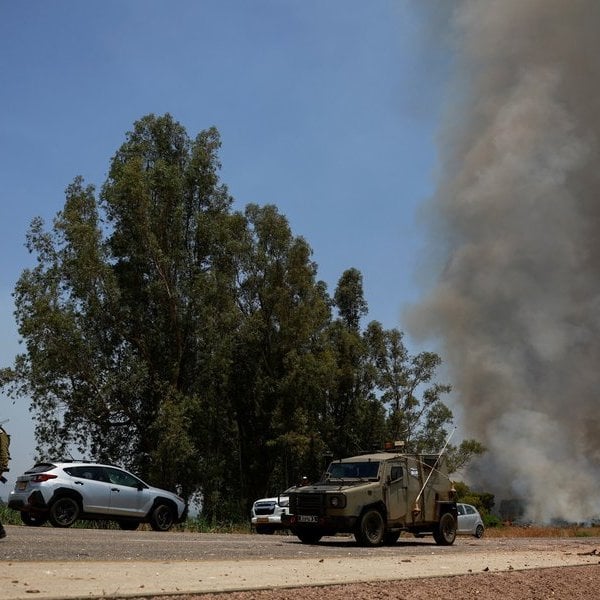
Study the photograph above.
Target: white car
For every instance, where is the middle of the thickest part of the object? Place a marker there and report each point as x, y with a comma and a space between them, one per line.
63, 492
469, 521
266, 513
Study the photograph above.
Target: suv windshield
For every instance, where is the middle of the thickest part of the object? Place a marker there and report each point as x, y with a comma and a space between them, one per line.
353, 470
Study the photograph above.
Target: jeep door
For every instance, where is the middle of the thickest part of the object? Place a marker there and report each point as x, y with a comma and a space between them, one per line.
396, 477
127, 493
93, 486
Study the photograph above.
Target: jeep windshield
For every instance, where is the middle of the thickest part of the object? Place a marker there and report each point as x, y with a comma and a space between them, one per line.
353, 470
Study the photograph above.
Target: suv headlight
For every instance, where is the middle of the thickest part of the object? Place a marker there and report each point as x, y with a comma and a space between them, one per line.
284, 501
337, 500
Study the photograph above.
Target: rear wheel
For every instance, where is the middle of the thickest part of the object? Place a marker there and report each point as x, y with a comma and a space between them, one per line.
64, 512
479, 531
32, 519
445, 531
370, 529
162, 518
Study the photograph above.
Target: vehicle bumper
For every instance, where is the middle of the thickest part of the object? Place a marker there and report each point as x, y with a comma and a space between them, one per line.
34, 502
326, 523
273, 521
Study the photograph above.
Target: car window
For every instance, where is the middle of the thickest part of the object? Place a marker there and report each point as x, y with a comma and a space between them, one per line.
352, 470
396, 473
88, 472
460, 509
469, 510
40, 468
119, 477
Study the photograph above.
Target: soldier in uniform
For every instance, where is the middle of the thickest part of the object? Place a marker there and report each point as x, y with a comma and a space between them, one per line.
4, 459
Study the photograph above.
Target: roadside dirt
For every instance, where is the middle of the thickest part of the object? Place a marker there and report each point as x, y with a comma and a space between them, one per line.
573, 583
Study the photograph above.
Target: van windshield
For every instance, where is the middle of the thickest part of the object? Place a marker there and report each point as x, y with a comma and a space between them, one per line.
353, 470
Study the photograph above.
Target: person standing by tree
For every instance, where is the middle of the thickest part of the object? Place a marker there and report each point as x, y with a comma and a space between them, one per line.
4, 459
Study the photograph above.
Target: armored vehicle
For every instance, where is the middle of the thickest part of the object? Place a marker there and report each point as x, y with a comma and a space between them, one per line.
377, 497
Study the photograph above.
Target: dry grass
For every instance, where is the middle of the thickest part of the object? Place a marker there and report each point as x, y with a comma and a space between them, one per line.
541, 531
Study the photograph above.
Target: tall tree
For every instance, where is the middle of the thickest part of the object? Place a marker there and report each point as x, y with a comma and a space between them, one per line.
121, 316
283, 309
416, 413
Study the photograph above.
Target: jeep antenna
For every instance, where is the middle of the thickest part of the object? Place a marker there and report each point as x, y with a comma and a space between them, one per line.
416, 508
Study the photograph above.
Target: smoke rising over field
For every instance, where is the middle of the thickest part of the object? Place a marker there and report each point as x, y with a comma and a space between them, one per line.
517, 230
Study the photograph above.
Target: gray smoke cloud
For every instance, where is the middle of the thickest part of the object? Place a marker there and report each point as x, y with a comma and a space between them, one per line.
516, 221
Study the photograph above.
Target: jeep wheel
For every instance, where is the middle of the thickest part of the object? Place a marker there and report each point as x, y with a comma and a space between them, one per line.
390, 538
445, 532
162, 518
308, 536
32, 519
371, 529
64, 512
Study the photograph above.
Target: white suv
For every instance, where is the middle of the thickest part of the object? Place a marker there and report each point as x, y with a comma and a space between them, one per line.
63, 492
266, 513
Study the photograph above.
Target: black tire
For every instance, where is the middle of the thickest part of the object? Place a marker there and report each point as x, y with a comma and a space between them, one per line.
265, 529
479, 531
33, 520
390, 538
64, 512
129, 525
308, 536
371, 528
445, 532
162, 518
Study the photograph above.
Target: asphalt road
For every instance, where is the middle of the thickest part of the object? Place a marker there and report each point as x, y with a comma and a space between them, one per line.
52, 564
50, 544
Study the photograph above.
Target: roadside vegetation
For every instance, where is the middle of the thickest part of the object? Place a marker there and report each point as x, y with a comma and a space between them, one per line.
199, 525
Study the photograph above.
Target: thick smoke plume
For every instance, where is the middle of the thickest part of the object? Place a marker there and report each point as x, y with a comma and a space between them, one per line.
517, 226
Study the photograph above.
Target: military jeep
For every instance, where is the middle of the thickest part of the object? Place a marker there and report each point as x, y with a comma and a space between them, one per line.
376, 497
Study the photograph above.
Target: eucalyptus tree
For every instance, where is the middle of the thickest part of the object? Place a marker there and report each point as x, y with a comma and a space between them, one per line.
122, 314
406, 386
283, 310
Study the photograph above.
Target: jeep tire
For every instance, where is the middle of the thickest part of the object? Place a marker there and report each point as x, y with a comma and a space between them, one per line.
444, 533
370, 529
308, 536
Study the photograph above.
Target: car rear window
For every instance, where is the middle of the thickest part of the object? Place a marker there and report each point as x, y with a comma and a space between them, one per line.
41, 468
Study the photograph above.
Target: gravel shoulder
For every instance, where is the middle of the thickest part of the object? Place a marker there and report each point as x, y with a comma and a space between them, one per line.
574, 583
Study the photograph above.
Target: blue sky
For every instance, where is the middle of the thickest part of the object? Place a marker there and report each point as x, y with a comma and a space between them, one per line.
327, 108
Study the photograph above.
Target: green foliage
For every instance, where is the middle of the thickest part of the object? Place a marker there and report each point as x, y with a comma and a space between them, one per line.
482, 501
194, 344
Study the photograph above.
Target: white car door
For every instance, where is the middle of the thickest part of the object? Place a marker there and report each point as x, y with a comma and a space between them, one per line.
127, 497
93, 486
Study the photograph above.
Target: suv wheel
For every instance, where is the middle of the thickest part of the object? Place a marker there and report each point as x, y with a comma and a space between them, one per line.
371, 528
162, 518
32, 519
64, 512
